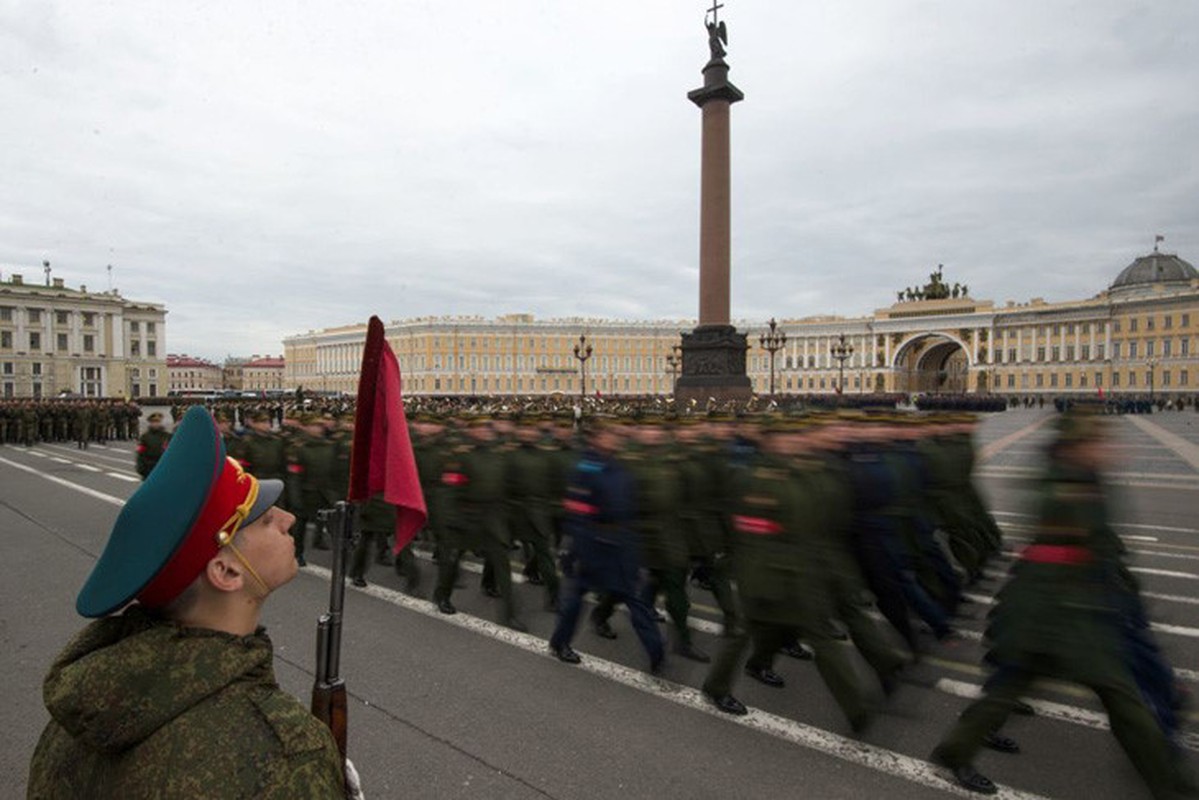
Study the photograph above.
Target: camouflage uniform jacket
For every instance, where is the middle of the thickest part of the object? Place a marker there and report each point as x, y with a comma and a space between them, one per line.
142, 708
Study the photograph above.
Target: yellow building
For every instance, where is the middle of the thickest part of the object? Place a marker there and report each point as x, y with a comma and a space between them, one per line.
56, 340
1136, 337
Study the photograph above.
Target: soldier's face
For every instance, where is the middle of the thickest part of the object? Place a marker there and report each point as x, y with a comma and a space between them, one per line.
267, 544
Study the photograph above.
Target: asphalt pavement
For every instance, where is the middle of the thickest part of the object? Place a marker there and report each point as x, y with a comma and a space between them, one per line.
459, 707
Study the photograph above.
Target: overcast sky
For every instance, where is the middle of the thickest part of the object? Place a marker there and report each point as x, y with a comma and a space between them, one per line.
264, 168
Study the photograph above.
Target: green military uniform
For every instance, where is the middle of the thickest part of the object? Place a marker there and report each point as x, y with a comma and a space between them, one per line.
530, 515
474, 477
84, 418
1059, 616
150, 447
29, 418
264, 453
778, 554
704, 501
141, 708
310, 478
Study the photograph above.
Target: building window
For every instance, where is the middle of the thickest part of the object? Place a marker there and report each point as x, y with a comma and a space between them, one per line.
61, 342
1053, 380
1057, 353
37, 389
1069, 380
1186, 320
1098, 378
1184, 347
1148, 323
6, 368
1182, 377
1011, 355
1100, 349
1086, 352
35, 316
150, 327
133, 325
154, 390
135, 348
36, 367
89, 343
1070, 329
1168, 321
6, 340
1149, 346
8, 390
1132, 378
1167, 348
136, 390
1057, 330
5, 313
151, 349
89, 319
1011, 381
1082, 380
153, 372
1165, 377
1069, 352
1132, 349
35, 341
62, 317
1132, 325
1115, 379
1040, 354
1040, 380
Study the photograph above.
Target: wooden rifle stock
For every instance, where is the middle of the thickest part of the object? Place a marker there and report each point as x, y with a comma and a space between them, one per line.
329, 688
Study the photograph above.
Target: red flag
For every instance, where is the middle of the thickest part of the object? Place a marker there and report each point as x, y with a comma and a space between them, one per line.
381, 459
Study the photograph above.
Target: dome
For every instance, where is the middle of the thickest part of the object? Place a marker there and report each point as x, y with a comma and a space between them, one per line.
1155, 268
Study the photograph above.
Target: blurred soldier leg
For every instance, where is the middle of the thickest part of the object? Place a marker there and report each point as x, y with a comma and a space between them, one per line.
407, 568
672, 584
602, 613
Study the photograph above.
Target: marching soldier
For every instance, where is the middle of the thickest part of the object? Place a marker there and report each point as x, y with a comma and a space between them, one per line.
603, 552
151, 445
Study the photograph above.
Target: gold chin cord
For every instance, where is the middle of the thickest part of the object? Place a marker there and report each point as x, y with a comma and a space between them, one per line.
225, 535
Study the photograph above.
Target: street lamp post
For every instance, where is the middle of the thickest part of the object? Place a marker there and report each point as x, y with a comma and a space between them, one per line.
582, 353
1152, 364
842, 351
772, 341
673, 362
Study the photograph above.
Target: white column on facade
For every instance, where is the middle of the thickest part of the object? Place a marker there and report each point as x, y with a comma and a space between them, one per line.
974, 346
1092, 339
887, 349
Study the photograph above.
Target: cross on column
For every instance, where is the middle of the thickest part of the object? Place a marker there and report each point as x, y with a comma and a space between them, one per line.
715, 12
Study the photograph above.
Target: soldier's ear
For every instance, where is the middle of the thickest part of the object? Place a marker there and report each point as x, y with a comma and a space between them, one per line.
224, 573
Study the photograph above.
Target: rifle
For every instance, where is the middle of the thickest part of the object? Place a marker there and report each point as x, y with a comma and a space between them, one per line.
329, 688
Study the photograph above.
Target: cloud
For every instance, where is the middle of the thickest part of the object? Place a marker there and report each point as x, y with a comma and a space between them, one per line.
264, 170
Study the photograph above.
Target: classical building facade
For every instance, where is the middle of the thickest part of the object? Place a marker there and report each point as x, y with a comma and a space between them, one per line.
57, 340
190, 374
262, 374
1139, 336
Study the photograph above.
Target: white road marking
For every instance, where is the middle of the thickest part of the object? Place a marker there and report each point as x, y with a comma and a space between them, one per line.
59, 460
1138, 525
1165, 573
107, 498
1185, 450
1175, 630
36, 453
75, 450
1173, 598
810, 737
87, 467
122, 477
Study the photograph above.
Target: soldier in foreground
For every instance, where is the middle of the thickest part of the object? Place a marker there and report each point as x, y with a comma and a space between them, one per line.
171, 692
1061, 616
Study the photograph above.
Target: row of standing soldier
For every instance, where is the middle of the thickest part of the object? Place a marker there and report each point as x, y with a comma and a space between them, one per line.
27, 422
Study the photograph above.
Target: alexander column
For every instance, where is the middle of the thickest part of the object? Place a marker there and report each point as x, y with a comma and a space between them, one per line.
714, 353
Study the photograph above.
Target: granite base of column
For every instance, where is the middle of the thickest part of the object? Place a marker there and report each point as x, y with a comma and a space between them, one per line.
713, 366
